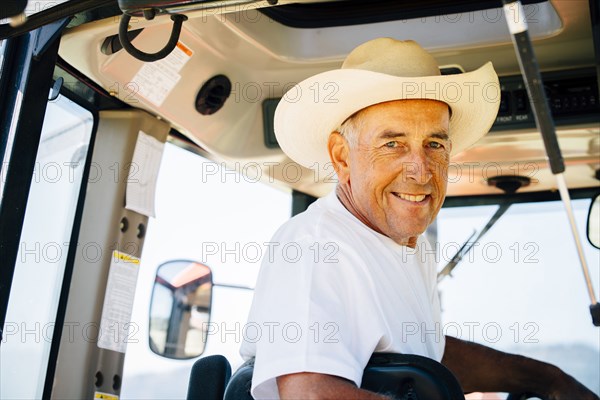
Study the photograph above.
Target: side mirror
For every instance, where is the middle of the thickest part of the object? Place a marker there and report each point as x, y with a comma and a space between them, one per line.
593, 223
180, 309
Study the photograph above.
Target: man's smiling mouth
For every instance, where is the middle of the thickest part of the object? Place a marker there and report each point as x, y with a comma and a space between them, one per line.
415, 198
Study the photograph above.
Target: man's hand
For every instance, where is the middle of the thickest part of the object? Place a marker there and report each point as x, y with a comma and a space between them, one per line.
481, 369
306, 385
566, 388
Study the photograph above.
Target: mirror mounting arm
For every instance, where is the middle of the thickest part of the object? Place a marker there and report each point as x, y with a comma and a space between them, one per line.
150, 57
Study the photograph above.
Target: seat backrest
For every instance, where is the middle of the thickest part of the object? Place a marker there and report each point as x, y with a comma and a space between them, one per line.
209, 378
410, 377
406, 376
240, 383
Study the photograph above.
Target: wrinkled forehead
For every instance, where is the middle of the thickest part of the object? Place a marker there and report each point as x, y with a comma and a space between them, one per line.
377, 112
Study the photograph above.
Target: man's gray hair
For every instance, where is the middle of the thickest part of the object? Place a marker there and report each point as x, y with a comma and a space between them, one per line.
351, 127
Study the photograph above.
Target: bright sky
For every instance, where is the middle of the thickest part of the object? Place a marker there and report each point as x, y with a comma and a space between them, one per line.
544, 287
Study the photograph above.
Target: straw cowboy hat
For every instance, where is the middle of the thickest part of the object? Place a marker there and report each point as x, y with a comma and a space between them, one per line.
382, 70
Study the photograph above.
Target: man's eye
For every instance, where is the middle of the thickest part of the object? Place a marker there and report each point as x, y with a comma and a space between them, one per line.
391, 144
436, 145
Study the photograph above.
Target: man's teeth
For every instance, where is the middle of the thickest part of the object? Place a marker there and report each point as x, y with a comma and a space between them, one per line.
410, 197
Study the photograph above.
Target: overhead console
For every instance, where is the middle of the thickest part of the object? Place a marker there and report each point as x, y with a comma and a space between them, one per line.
573, 98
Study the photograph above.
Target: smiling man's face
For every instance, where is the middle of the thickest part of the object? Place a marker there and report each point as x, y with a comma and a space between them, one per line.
395, 173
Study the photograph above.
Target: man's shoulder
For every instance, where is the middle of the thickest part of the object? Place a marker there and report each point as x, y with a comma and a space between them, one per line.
320, 220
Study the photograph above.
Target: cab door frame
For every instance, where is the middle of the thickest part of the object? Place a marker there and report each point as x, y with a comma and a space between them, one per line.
26, 78
30, 61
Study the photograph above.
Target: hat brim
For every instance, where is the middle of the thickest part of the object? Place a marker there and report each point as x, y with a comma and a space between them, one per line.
317, 106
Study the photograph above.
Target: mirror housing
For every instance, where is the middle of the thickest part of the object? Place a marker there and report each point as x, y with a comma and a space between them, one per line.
180, 309
593, 222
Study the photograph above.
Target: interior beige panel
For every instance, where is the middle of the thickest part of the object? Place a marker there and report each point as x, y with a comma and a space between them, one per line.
243, 46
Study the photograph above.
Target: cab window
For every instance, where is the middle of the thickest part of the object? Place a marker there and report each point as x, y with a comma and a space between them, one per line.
520, 288
43, 249
221, 218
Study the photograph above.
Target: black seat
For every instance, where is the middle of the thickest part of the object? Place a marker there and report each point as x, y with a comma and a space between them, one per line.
240, 383
209, 378
406, 376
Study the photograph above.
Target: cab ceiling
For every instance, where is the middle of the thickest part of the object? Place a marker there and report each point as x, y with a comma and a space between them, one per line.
263, 58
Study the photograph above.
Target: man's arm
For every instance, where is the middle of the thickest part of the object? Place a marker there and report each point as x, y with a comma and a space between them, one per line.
481, 369
307, 385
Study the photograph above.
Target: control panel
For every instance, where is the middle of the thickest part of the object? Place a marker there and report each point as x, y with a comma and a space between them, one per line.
572, 96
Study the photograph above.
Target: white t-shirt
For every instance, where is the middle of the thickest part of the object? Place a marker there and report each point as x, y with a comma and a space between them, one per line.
331, 291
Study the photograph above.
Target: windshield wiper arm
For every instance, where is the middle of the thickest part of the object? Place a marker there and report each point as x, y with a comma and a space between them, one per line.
464, 249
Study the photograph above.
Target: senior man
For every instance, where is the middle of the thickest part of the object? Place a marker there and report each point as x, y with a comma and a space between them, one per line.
359, 270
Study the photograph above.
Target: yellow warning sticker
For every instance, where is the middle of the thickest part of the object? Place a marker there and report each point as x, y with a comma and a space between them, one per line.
117, 255
105, 396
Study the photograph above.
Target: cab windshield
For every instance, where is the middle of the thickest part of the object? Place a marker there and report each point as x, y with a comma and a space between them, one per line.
520, 288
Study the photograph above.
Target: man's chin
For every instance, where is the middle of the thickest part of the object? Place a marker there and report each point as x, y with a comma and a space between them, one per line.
414, 228
407, 238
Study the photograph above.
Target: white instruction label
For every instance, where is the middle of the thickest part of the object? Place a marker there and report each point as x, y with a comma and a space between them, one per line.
143, 173
155, 80
118, 302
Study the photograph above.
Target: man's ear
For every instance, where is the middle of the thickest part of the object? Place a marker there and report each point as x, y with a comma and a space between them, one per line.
339, 153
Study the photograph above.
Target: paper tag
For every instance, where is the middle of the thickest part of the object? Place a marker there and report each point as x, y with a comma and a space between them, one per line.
105, 396
515, 17
155, 80
118, 302
143, 173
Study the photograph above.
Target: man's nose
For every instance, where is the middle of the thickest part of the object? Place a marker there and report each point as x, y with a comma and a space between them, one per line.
417, 167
